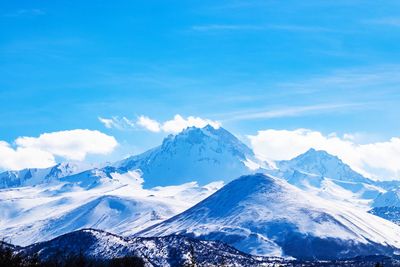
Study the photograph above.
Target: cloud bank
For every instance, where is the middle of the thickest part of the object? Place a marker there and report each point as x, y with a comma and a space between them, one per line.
175, 125
40, 152
380, 160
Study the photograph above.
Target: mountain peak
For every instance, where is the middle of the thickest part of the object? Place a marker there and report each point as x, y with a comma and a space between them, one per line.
320, 162
314, 153
197, 134
207, 128
196, 154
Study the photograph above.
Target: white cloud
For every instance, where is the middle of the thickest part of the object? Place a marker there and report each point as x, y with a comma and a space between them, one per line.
380, 160
149, 124
73, 144
19, 158
175, 125
41, 151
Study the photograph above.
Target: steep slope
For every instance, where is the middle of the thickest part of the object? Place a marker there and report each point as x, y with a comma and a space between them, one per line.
262, 215
389, 213
157, 251
203, 155
388, 199
33, 176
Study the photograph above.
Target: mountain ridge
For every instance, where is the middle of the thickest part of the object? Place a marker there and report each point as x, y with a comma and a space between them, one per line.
238, 214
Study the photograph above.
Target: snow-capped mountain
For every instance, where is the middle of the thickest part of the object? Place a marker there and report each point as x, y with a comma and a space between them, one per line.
196, 154
203, 155
155, 251
329, 177
34, 176
118, 204
321, 163
257, 214
63, 199
262, 215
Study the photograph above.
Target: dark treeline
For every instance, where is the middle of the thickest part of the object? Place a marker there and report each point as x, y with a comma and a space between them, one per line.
10, 259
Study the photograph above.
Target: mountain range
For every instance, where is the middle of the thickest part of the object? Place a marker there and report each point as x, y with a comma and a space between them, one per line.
311, 207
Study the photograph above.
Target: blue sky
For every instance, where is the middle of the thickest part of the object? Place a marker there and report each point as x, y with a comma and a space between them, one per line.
329, 66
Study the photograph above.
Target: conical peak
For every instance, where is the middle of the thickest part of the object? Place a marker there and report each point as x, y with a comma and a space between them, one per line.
314, 156
195, 135
317, 153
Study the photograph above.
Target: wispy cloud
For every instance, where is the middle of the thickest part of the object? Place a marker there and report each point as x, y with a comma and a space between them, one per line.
390, 21
249, 27
384, 77
120, 123
225, 27
300, 28
33, 12
288, 111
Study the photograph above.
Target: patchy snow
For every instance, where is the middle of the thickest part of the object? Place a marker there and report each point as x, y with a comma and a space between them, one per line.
155, 251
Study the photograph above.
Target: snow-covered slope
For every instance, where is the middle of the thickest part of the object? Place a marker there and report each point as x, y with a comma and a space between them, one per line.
263, 215
40, 204
118, 204
33, 176
61, 199
157, 251
203, 155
